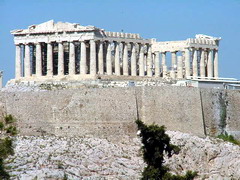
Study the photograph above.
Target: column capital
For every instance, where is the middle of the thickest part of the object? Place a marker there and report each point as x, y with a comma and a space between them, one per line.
202, 49
82, 42
197, 49
148, 44
93, 40
100, 42
109, 41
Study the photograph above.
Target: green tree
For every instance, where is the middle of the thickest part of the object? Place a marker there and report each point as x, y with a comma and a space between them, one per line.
7, 129
155, 143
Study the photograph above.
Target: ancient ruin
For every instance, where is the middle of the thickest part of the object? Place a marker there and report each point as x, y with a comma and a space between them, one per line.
69, 51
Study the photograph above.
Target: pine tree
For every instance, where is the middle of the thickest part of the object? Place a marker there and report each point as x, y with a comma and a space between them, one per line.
155, 143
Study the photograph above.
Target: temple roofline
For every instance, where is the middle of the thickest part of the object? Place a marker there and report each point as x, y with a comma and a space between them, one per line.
52, 27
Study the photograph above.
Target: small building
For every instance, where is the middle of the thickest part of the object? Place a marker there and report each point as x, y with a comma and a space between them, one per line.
233, 86
220, 83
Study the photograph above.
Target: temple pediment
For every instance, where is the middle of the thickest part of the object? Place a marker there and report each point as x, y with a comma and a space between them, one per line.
51, 27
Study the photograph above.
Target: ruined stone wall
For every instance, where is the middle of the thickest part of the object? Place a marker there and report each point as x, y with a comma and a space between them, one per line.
111, 112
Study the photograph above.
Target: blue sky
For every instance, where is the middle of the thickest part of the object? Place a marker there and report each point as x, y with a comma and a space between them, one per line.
161, 19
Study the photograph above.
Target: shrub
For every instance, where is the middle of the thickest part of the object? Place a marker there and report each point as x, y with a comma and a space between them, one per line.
6, 147
3, 173
1, 125
228, 138
9, 119
12, 130
156, 143
65, 177
5, 150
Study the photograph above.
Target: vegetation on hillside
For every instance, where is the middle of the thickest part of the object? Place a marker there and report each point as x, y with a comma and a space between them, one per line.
156, 143
228, 138
7, 130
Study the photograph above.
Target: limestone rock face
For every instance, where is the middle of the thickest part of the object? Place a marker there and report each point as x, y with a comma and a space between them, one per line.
52, 157
78, 158
212, 158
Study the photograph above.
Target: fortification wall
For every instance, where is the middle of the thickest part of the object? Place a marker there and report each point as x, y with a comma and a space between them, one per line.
178, 108
2, 106
100, 112
112, 111
233, 113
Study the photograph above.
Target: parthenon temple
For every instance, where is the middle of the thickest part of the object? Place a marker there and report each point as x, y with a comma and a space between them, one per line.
68, 50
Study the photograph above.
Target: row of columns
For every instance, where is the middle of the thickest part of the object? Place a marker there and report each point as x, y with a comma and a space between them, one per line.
204, 63
94, 56
192, 62
142, 61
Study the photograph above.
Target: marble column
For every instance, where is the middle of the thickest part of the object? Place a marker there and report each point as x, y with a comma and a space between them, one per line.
179, 67
125, 59
210, 64
141, 60
195, 63
109, 59
216, 64
27, 66
38, 59
187, 63
18, 62
164, 66
93, 63
60, 59
172, 74
174, 60
149, 62
49, 59
117, 59
72, 67
83, 61
202, 64
157, 64
100, 58
133, 61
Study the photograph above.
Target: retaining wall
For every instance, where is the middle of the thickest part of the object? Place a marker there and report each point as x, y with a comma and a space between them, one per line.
112, 111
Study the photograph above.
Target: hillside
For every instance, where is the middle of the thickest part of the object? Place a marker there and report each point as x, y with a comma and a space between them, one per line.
51, 157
